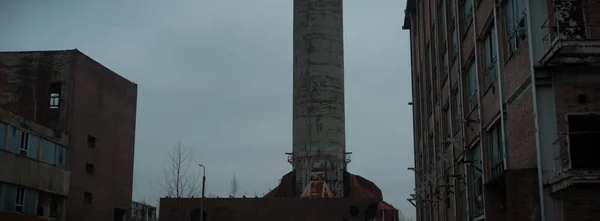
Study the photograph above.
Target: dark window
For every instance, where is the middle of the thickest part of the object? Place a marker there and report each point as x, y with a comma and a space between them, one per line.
55, 90
514, 15
497, 150
87, 197
91, 141
584, 133
489, 48
472, 86
119, 214
89, 168
19, 200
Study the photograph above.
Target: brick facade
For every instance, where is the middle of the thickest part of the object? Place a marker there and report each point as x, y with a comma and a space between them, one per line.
512, 122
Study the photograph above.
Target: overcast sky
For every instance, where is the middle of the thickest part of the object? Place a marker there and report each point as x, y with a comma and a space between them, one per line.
217, 75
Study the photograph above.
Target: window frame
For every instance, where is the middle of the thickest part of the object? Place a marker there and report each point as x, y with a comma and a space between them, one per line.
490, 56
467, 8
55, 95
514, 19
20, 202
472, 85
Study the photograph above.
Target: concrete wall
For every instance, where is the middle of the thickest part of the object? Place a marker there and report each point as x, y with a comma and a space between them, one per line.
103, 105
19, 170
318, 126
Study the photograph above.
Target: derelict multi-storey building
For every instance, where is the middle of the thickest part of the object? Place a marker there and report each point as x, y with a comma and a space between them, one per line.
70, 93
505, 102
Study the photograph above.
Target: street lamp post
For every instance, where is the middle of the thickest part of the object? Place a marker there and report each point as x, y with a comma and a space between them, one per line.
203, 185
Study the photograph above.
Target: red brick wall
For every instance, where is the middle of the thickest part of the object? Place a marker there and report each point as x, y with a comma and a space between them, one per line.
522, 194
582, 203
520, 135
567, 88
495, 203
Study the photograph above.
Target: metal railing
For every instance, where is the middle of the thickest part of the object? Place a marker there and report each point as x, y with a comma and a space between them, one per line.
569, 20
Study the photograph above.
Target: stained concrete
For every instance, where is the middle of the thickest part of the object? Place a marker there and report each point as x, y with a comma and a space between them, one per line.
318, 122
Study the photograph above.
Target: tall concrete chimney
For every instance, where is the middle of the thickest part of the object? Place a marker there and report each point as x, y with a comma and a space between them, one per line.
319, 140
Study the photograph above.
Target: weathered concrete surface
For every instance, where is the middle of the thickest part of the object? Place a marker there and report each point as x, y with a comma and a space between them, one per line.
39, 130
276, 209
19, 170
318, 122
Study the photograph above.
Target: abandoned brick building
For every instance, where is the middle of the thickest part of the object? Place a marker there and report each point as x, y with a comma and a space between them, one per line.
90, 106
506, 109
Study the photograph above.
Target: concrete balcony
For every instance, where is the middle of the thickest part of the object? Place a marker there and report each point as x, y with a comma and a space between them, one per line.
23, 171
569, 178
570, 37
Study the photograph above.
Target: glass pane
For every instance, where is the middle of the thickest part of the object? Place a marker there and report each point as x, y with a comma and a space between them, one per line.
2, 135
29, 201
48, 152
33, 144
61, 156
10, 194
15, 144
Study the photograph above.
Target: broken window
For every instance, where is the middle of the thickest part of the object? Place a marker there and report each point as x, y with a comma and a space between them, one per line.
89, 168
91, 141
55, 90
584, 134
87, 197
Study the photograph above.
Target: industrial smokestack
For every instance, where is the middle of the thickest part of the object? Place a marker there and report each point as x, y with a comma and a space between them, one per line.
319, 140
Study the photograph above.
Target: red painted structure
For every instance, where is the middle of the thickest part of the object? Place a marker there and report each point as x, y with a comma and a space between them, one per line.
356, 187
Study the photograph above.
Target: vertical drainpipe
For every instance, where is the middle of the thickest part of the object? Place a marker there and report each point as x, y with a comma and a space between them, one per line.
479, 95
544, 121
459, 94
500, 83
435, 48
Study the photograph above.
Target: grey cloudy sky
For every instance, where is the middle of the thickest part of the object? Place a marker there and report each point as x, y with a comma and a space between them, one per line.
217, 75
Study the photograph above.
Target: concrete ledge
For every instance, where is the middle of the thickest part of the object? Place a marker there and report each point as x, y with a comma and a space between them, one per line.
19, 170
570, 178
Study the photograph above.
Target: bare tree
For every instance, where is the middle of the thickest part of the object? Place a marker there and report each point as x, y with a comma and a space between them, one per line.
234, 186
180, 180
